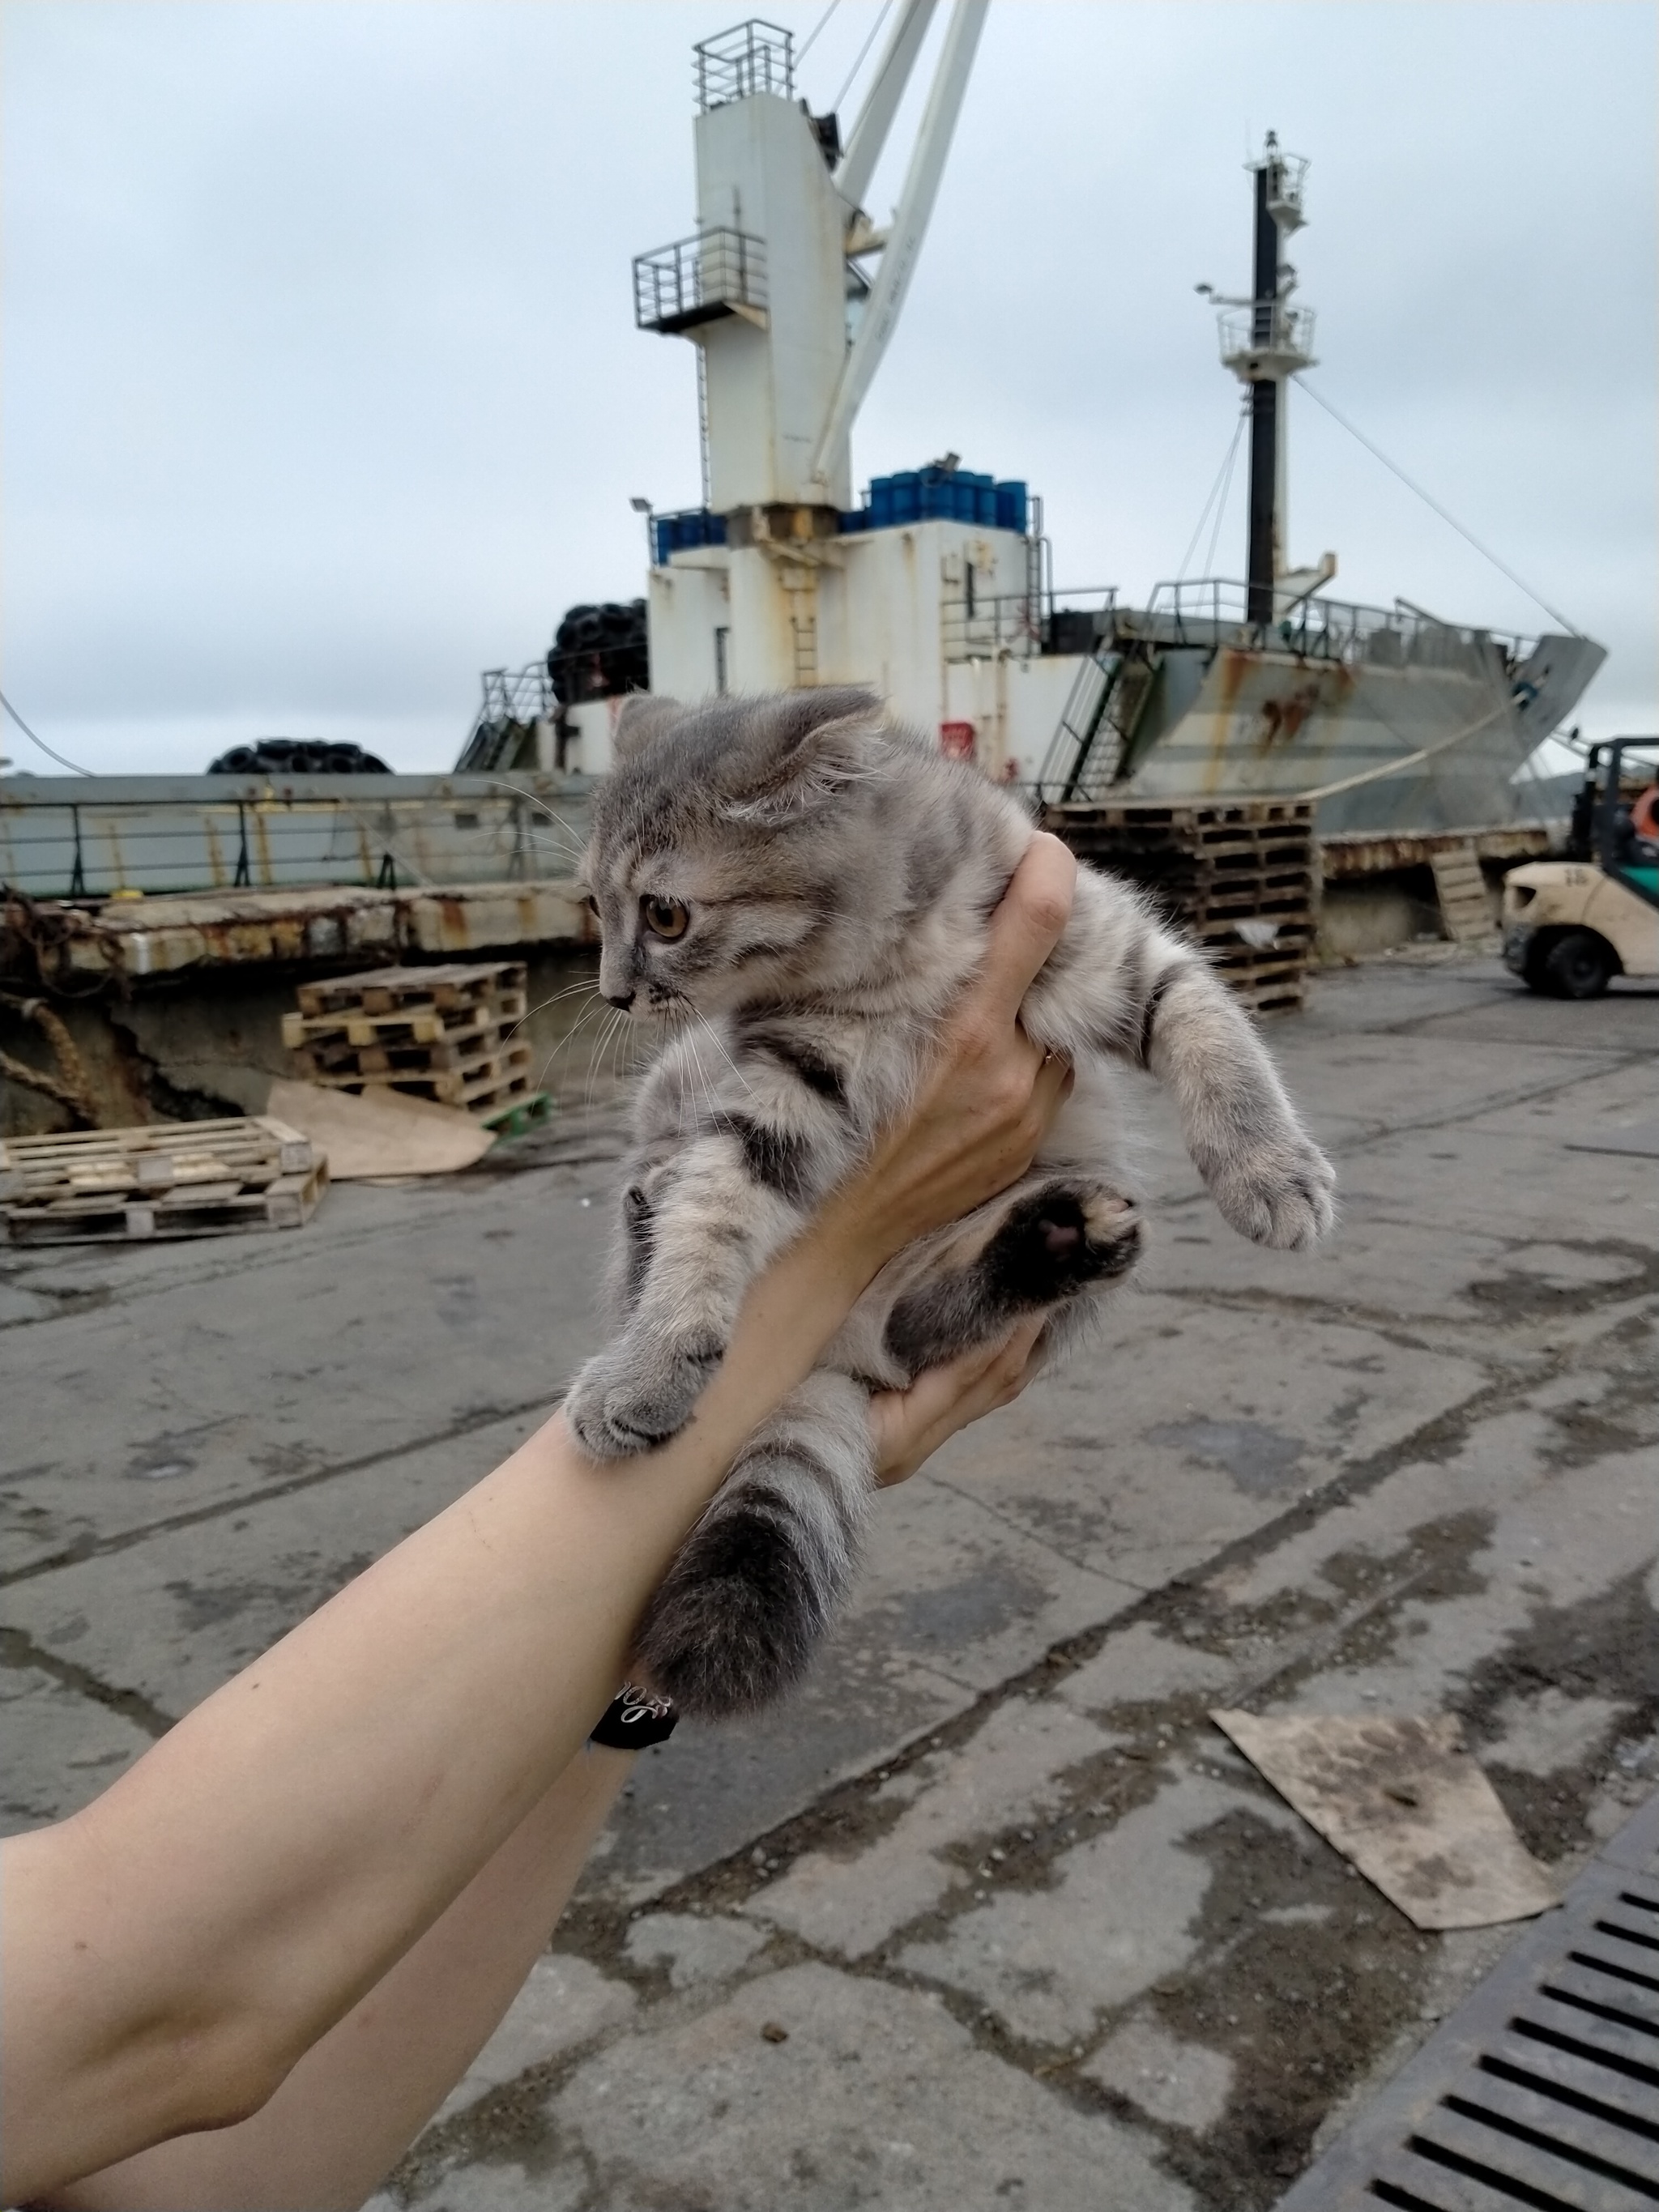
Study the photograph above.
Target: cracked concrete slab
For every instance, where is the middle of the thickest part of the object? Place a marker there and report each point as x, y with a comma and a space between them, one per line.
566, 2002
1193, 1428
995, 1847
693, 1949
444, 1312
1182, 2084
1519, 1187
62, 1748
172, 1618
1119, 1917
870, 2095
1007, 1773
1379, 1083
1374, 1271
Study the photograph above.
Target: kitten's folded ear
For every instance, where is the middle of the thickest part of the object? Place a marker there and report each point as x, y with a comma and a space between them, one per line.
802, 748
642, 719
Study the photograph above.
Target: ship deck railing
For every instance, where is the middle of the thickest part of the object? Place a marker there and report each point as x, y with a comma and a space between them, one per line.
97, 837
1209, 612
1213, 610
1020, 625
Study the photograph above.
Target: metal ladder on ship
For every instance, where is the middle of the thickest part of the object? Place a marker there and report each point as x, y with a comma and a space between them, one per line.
1110, 693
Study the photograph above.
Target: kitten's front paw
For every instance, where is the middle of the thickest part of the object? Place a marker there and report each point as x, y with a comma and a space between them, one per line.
1283, 1195
637, 1394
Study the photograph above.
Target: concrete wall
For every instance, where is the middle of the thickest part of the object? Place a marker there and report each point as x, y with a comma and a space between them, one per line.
210, 1044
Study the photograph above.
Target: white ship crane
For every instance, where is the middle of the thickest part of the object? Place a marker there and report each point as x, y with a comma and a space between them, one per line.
792, 292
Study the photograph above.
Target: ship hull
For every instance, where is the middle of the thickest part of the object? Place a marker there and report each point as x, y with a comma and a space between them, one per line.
1421, 731
1264, 725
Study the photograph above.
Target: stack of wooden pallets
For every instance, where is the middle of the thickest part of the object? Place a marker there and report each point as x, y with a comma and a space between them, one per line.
1239, 875
169, 1179
448, 1034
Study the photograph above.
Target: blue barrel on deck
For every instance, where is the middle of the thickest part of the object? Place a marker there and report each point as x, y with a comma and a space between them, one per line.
680, 533
940, 495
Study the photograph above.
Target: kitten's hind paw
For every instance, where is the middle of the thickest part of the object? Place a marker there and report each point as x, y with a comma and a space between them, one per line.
637, 1394
1059, 1239
736, 1618
1283, 1195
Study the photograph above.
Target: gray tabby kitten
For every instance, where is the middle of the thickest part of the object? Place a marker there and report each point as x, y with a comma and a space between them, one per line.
816, 884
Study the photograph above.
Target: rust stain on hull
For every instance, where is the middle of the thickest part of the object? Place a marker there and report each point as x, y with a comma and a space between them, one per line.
1281, 719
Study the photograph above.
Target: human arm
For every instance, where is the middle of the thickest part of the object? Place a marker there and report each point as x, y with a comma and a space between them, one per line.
174, 1950
361, 2094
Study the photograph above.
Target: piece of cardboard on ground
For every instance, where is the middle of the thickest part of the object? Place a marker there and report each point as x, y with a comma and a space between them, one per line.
380, 1132
1407, 1803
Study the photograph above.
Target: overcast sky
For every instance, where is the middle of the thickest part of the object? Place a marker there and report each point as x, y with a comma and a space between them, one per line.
322, 391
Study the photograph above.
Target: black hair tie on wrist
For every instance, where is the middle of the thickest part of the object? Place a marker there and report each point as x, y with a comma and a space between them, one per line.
635, 1719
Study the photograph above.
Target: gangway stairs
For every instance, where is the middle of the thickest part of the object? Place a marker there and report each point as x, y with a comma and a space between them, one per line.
1089, 749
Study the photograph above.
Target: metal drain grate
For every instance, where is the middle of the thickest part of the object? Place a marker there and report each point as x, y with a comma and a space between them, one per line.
1542, 2090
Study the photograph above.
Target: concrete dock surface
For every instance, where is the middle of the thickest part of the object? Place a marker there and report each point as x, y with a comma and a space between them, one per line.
992, 1915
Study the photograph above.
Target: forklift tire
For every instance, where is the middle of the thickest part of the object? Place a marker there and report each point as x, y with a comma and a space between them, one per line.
1578, 965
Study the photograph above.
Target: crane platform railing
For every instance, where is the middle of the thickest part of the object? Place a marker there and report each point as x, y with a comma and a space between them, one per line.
699, 279
752, 57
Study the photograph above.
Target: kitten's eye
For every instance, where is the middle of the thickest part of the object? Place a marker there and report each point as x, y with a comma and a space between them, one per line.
591, 903
666, 917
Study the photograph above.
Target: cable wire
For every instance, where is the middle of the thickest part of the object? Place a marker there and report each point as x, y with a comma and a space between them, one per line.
811, 36
835, 104
1223, 481
41, 742
1485, 551
1226, 494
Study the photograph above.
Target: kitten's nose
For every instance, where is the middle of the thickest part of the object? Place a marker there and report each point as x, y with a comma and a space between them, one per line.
623, 999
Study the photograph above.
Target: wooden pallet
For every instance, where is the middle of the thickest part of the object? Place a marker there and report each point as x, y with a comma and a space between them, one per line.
445, 1034
393, 990
168, 1179
331, 1060
403, 1025
1238, 876
1461, 890
488, 1078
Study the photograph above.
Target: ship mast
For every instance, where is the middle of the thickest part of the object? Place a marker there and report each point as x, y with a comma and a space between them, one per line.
1266, 341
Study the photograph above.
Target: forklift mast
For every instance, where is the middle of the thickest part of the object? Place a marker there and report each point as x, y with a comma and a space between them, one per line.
1601, 828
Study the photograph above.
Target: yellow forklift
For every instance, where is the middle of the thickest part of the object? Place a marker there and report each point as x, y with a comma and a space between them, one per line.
1571, 925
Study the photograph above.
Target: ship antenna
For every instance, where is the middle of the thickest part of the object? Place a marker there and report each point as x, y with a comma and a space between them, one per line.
1266, 342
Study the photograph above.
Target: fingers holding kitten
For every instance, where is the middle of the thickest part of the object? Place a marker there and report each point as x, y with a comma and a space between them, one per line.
907, 1427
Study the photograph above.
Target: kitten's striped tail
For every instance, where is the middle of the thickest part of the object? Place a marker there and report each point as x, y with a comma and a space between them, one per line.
751, 1590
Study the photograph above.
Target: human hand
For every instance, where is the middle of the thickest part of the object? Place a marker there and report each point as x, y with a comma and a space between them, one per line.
908, 1426
990, 1094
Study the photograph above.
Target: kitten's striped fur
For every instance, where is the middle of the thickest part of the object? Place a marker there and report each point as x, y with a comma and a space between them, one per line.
838, 874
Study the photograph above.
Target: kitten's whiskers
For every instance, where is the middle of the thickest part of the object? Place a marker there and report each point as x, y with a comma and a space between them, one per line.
721, 1044
577, 846
552, 999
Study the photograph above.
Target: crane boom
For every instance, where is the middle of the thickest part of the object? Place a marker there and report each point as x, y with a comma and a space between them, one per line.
881, 103
908, 228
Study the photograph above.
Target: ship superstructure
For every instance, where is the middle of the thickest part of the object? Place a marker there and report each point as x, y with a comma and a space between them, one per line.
933, 586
